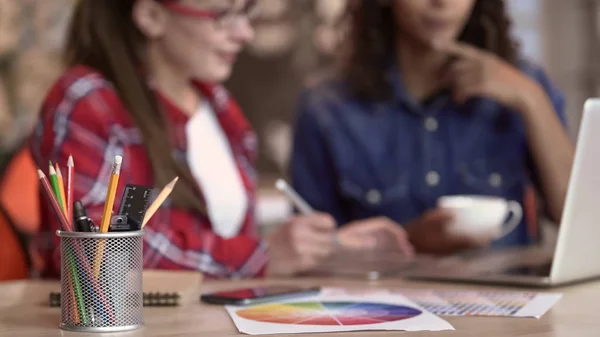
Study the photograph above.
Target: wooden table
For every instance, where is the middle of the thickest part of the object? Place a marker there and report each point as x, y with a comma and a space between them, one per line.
24, 311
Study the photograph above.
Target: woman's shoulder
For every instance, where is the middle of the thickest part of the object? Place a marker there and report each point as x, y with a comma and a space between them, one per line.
323, 96
80, 86
80, 79
537, 73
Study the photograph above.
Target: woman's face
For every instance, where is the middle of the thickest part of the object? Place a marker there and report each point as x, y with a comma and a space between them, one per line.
200, 38
431, 21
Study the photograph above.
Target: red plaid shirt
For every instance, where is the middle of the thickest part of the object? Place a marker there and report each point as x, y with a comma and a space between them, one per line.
83, 116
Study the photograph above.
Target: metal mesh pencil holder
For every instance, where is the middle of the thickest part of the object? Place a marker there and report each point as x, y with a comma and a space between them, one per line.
101, 281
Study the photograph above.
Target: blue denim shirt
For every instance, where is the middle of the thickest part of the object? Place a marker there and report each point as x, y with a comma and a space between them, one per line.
357, 159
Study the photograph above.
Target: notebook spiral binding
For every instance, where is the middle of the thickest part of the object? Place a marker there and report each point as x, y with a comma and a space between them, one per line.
150, 299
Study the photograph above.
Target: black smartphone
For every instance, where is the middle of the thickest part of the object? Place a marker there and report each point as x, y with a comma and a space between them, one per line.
248, 296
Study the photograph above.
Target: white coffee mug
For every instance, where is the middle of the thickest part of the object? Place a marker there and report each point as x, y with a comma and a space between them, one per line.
481, 216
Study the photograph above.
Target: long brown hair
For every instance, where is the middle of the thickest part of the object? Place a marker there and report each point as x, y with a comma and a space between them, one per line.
372, 42
104, 36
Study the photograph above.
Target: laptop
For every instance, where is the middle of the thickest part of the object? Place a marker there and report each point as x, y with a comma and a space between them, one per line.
576, 256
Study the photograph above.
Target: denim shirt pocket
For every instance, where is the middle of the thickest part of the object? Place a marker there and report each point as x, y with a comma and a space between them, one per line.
366, 199
503, 177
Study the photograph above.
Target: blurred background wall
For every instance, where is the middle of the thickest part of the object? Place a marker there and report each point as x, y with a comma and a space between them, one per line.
31, 37
295, 43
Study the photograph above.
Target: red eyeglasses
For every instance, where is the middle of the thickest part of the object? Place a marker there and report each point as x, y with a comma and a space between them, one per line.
223, 18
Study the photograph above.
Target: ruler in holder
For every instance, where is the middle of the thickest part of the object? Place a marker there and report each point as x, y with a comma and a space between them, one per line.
134, 204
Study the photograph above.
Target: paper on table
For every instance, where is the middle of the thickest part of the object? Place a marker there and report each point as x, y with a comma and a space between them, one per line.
336, 313
484, 303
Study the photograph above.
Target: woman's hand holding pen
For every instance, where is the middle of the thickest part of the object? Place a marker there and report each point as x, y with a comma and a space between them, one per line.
301, 244
375, 233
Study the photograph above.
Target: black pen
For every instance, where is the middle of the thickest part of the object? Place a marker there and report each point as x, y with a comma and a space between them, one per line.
81, 221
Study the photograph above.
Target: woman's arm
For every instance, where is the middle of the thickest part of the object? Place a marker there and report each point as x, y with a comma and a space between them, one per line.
478, 73
551, 148
173, 242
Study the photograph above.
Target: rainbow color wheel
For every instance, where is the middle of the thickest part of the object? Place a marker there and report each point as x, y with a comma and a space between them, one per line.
328, 313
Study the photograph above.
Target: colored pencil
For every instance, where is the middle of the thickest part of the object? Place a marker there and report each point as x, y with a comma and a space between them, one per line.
54, 184
74, 303
70, 172
107, 213
61, 190
92, 281
162, 196
62, 219
76, 287
110, 195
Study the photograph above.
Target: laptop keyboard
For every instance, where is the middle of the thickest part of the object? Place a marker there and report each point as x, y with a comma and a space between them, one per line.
539, 270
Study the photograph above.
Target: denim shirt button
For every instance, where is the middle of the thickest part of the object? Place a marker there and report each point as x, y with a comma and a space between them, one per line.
374, 197
432, 178
495, 180
431, 124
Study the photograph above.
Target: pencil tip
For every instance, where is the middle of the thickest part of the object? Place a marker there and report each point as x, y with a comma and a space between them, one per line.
281, 184
51, 170
70, 161
173, 182
41, 174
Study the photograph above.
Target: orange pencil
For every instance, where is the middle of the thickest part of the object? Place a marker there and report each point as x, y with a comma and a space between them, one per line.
107, 213
61, 189
62, 219
110, 194
70, 172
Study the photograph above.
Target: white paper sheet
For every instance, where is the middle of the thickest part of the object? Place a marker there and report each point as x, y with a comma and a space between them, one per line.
330, 312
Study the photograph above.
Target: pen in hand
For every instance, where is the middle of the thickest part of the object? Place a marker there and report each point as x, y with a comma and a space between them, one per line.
298, 201
294, 197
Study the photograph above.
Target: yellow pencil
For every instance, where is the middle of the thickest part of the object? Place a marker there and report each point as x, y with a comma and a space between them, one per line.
61, 189
110, 195
162, 196
107, 213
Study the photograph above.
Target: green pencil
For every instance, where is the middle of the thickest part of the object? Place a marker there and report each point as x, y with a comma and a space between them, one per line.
55, 186
76, 284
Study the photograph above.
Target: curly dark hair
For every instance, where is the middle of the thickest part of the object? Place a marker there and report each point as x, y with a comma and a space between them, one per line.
372, 39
